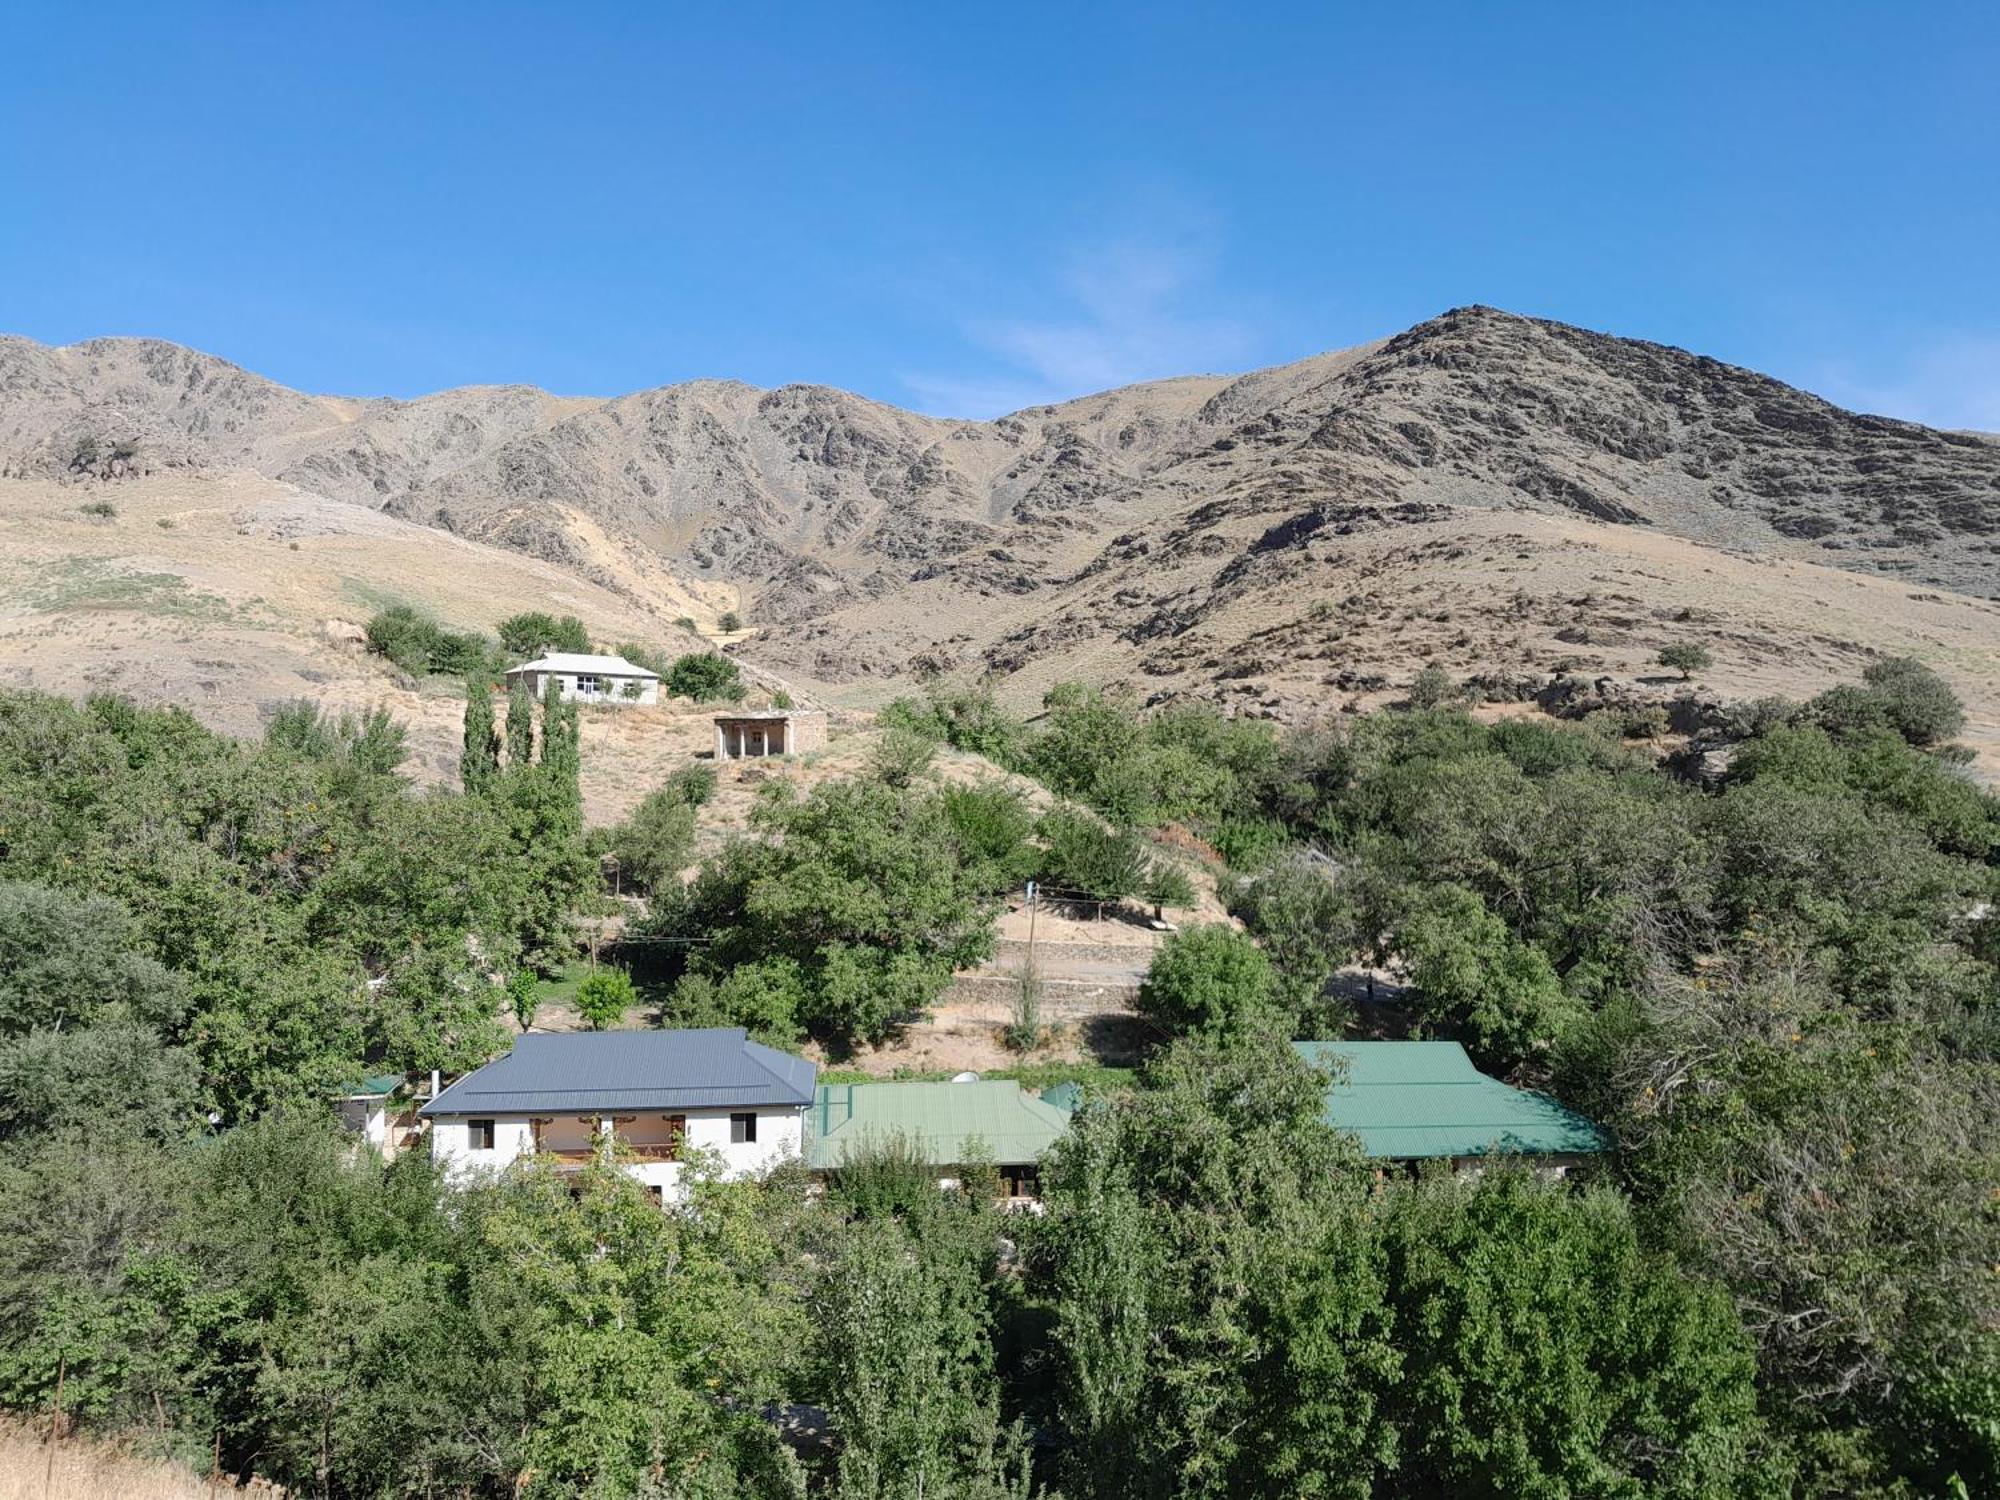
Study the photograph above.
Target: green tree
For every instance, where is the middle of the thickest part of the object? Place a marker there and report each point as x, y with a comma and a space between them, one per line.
862, 886
706, 677
1544, 1352
1307, 924
654, 842
1176, 1212
995, 831
67, 959
535, 632
524, 997
520, 724
901, 756
1685, 657
1208, 980
479, 762
1920, 704
1475, 978
904, 1351
604, 997
435, 1010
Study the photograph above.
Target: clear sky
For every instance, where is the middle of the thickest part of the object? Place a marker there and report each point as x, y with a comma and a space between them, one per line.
967, 208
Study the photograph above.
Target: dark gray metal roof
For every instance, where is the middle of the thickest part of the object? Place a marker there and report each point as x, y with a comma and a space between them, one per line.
589, 1072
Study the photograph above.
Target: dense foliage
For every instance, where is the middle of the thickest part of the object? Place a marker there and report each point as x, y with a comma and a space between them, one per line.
269, 922
706, 677
536, 632
419, 645
1774, 984
848, 914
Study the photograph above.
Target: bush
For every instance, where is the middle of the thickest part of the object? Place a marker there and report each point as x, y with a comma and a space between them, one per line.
964, 718
103, 510
1920, 705
901, 756
995, 831
1432, 688
1083, 855
420, 646
1685, 657
604, 997
1207, 981
730, 623
706, 677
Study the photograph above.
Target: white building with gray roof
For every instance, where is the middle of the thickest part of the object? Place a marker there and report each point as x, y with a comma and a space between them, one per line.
650, 1097
589, 679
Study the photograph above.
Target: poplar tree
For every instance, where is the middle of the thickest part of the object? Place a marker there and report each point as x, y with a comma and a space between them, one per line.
520, 724
480, 761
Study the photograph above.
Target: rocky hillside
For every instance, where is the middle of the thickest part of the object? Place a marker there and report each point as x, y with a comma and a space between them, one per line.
1493, 492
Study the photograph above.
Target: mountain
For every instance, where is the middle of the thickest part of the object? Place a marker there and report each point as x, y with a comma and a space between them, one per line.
1495, 493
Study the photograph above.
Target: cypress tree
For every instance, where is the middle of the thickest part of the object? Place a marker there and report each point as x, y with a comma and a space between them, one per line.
520, 725
480, 759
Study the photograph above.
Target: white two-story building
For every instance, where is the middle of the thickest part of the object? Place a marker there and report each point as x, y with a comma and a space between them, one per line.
659, 1093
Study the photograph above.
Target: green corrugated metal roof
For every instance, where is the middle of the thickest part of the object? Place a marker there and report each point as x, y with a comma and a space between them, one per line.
1067, 1097
1015, 1128
1407, 1100
380, 1086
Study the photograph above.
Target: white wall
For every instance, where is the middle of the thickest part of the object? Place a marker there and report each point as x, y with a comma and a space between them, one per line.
781, 1133
367, 1118
649, 689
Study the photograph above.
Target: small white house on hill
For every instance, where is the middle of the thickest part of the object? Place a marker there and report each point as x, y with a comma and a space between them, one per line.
589, 679
649, 1096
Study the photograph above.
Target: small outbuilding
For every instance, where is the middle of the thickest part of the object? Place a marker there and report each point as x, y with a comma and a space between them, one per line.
989, 1118
1418, 1101
589, 679
748, 734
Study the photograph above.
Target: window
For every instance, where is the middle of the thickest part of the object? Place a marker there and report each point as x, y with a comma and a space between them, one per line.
588, 687
742, 1129
479, 1134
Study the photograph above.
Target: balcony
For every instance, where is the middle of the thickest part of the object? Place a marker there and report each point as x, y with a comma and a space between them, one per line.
628, 1150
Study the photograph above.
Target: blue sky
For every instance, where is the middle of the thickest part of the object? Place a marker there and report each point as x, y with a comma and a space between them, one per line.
967, 208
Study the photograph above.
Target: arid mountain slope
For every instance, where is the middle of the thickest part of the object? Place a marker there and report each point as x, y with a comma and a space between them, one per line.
1497, 493
229, 593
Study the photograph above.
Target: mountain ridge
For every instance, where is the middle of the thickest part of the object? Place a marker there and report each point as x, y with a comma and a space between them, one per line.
1145, 535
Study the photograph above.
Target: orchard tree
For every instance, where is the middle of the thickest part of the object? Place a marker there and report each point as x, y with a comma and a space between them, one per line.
604, 997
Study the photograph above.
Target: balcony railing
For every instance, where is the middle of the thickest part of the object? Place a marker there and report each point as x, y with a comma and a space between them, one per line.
639, 1150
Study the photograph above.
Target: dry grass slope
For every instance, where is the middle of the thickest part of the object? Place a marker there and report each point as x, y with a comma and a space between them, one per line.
86, 1469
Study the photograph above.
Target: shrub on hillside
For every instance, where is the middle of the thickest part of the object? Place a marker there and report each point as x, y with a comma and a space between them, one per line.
706, 677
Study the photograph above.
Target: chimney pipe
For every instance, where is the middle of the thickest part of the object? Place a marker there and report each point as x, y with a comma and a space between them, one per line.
434, 1083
